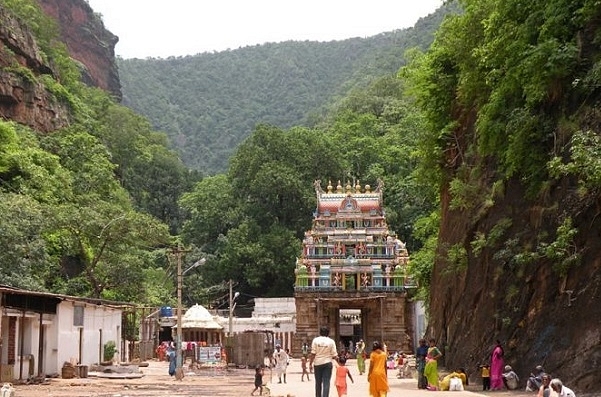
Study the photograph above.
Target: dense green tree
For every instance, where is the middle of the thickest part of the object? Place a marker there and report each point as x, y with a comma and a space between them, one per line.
273, 171
98, 229
100, 251
212, 211
152, 173
69, 225
32, 181
23, 255
260, 262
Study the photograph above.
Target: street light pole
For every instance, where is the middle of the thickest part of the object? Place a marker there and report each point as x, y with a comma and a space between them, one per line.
179, 311
179, 373
231, 318
233, 298
199, 262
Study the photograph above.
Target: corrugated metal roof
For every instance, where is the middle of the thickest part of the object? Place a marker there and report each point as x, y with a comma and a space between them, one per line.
6, 289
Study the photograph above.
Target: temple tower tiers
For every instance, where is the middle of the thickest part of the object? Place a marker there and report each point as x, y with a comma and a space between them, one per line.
351, 274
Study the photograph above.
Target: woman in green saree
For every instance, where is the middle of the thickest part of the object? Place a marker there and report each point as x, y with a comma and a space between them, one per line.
431, 369
360, 352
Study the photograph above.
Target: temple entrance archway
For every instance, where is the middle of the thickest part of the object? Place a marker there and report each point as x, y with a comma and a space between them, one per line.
372, 317
350, 329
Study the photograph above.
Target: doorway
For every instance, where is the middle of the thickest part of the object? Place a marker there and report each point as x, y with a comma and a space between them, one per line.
350, 330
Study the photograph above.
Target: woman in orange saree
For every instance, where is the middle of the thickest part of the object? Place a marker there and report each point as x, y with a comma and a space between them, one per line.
377, 375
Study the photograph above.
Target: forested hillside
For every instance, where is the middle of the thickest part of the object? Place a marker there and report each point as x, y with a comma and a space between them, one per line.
208, 103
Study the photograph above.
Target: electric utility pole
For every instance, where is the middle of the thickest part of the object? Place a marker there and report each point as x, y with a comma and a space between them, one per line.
178, 252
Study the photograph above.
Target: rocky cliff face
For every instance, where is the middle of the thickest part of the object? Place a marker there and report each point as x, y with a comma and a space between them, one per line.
22, 98
87, 41
503, 289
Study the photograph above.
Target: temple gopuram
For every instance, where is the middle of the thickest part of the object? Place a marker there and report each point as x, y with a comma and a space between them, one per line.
351, 275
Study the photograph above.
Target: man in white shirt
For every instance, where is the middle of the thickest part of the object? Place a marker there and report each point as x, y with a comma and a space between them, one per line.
560, 389
280, 358
323, 350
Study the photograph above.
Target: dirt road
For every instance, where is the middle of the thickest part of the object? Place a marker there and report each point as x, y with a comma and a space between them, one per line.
217, 383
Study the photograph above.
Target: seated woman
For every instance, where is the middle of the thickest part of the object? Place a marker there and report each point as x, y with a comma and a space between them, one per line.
445, 383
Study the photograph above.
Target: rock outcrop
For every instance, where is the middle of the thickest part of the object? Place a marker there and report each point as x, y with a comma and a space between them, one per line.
88, 42
23, 98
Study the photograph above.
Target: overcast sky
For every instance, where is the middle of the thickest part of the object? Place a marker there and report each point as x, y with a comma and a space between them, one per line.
163, 28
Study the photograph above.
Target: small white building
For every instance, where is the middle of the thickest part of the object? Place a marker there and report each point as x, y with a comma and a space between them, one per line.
198, 325
41, 331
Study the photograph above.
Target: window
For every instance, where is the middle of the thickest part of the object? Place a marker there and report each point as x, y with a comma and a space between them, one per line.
78, 316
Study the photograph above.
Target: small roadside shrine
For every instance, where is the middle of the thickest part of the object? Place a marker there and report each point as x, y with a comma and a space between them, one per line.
202, 335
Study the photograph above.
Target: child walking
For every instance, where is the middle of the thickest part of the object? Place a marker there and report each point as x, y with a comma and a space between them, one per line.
341, 373
258, 380
304, 367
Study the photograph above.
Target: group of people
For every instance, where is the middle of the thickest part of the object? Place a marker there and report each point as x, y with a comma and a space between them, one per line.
498, 376
542, 382
280, 361
322, 358
495, 376
503, 376
426, 360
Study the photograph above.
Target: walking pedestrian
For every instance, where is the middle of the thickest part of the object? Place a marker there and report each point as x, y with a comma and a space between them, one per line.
280, 359
258, 380
360, 353
377, 375
323, 350
304, 368
342, 372
172, 358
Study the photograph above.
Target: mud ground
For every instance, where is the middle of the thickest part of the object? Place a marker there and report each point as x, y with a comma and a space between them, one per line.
230, 383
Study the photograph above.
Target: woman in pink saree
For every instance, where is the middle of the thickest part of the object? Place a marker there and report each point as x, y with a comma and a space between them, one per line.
496, 367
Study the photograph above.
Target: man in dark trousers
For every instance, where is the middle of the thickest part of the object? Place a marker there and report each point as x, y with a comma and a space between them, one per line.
323, 350
420, 361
